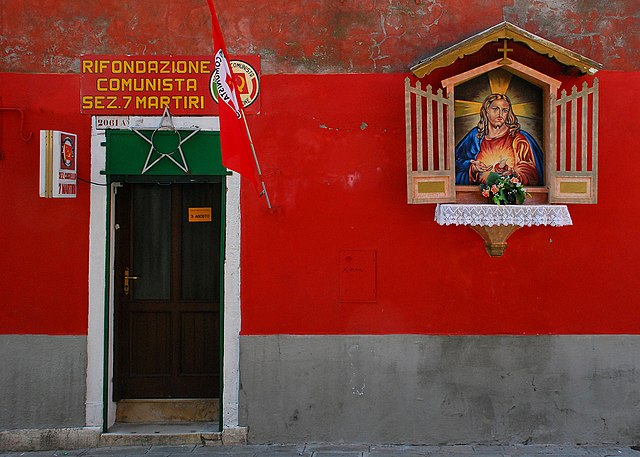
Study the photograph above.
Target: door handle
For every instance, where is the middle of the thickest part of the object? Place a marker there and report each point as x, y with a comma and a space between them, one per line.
128, 278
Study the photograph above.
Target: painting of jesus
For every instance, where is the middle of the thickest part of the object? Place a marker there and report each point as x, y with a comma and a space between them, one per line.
499, 144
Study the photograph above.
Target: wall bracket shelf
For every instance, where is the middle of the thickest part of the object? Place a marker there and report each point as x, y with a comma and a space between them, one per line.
495, 223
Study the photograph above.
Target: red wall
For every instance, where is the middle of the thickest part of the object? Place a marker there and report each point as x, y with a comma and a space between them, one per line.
333, 152
332, 148
44, 242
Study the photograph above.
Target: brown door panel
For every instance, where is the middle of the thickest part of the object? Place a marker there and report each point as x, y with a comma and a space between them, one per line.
167, 291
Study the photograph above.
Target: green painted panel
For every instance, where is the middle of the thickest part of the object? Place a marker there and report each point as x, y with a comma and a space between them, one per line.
129, 154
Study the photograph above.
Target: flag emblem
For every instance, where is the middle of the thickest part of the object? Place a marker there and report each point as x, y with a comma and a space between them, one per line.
246, 79
223, 79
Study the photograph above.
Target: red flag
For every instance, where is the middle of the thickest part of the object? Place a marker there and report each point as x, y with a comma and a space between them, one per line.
237, 154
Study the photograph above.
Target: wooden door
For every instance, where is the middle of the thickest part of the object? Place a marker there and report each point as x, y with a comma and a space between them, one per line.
167, 291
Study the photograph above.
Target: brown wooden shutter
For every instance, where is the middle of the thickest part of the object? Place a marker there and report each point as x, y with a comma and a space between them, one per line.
574, 146
430, 145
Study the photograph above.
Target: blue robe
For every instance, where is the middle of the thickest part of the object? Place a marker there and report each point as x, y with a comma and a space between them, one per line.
469, 147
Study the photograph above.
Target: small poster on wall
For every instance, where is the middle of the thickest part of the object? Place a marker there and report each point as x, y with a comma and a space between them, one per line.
58, 164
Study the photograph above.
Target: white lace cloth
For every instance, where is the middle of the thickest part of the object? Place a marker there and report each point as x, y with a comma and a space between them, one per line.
489, 215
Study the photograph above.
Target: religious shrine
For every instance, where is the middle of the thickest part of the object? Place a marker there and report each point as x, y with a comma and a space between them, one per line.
438, 171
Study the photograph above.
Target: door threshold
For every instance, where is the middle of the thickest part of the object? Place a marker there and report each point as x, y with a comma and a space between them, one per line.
124, 434
167, 411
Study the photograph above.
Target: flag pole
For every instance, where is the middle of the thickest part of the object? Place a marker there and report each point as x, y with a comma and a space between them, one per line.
255, 159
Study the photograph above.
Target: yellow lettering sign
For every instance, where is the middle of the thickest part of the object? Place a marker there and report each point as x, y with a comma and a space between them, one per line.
200, 214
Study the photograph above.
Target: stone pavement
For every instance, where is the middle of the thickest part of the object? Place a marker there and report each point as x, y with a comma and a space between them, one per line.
341, 450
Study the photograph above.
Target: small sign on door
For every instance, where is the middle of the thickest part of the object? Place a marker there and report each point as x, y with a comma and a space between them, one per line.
200, 214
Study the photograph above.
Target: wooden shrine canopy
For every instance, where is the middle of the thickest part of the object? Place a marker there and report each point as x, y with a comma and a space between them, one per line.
505, 30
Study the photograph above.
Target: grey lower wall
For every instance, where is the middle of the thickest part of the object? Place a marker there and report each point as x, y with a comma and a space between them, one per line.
417, 389
42, 381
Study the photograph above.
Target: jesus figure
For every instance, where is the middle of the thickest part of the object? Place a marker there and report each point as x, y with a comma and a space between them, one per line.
498, 145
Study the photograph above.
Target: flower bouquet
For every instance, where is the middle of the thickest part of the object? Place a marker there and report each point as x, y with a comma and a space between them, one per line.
504, 190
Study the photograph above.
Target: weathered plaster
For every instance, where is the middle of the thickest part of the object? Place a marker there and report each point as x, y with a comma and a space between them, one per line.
605, 31
304, 36
42, 381
30, 440
441, 389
